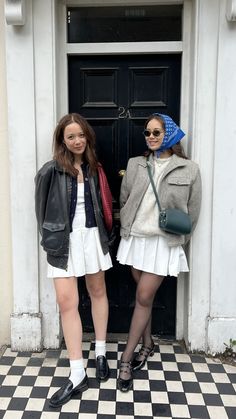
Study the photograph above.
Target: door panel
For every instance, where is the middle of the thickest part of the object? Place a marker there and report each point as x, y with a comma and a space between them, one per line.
116, 94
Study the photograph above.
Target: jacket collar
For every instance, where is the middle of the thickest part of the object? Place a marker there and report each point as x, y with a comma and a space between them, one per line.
175, 162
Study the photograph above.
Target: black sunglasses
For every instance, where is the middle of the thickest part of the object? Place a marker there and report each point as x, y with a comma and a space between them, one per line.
155, 132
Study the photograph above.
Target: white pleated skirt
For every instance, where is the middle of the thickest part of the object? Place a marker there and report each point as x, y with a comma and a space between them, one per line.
85, 250
153, 255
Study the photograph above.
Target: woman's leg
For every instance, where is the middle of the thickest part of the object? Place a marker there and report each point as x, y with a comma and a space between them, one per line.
68, 300
145, 293
146, 336
96, 287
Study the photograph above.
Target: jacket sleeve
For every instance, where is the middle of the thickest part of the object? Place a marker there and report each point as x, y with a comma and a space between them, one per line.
195, 197
125, 189
42, 186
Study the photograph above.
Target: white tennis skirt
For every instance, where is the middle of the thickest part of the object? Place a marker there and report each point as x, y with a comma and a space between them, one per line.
153, 255
85, 250
85, 255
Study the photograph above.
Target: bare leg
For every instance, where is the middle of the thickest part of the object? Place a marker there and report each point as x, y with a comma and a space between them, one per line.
96, 287
68, 300
146, 336
146, 290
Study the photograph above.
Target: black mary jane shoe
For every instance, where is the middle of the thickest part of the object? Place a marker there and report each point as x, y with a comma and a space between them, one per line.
65, 393
125, 385
102, 368
144, 352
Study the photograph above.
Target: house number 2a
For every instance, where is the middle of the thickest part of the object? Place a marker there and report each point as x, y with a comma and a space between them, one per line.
123, 113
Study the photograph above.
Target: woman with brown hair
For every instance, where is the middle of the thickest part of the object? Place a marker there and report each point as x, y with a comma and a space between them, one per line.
76, 240
151, 252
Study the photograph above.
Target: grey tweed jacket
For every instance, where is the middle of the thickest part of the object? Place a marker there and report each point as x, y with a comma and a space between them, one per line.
180, 187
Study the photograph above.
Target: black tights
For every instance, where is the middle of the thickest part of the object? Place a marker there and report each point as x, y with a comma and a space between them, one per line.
147, 286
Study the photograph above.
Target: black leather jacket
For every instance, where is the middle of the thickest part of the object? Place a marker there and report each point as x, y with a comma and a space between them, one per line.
52, 205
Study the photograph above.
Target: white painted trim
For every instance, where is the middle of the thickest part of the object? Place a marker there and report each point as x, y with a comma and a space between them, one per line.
183, 279
125, 48
26, 325
133, 48
112, 3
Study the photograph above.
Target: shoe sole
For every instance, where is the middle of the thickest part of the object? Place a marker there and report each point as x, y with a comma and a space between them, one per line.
80, 390
99, 379
125, 390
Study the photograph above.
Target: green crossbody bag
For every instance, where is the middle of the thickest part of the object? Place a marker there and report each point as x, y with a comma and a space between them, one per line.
171, 220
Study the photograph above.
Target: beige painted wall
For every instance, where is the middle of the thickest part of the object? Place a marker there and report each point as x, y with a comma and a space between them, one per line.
5, 231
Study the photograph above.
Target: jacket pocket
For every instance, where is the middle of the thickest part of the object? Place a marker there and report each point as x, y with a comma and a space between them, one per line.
178, 191
176, 180
53, 236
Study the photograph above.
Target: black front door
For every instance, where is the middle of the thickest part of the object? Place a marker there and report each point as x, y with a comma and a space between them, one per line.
116, 94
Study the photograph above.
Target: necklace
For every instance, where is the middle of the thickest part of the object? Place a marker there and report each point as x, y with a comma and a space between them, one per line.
80, 177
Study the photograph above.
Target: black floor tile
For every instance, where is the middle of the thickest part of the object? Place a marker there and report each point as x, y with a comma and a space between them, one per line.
212, 400
109, 395
27, 380
185, 367
32, 415
7, 391
15, 370
191, 387
157, 385
88, 406
172, 375
216, 368
199, 412
204, 377
142, 396
161, 410
124, 409
39, 392
231, 412
232, 378
177, 398
225, 388
17, 403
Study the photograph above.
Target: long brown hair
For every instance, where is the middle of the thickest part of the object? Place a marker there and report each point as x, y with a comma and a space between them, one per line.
63, 156
175, 149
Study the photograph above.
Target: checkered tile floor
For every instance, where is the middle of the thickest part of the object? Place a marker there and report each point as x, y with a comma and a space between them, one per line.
173, 384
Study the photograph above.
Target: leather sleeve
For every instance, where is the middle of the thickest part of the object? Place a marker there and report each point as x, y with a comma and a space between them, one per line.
42, 186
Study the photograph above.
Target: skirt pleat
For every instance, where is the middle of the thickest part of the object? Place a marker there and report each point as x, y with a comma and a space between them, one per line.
153, 255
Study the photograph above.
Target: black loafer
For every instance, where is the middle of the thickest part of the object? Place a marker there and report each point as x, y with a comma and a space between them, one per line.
102, 368
64, 394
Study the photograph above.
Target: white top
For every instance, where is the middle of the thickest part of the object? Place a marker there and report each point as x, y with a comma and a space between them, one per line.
146, 220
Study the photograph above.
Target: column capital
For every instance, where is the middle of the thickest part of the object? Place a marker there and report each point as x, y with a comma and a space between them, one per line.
231, 10
15, 12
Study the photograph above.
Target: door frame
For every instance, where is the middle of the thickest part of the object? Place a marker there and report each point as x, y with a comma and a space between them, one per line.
63, 49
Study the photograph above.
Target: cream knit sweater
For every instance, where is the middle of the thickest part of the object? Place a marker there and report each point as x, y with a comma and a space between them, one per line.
146, 220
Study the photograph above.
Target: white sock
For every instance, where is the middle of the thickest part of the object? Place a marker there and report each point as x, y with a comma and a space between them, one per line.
77, 371
100, 348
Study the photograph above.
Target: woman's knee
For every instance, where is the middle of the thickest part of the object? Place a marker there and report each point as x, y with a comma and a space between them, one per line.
97, 290
144, 298
67, 302
96, 285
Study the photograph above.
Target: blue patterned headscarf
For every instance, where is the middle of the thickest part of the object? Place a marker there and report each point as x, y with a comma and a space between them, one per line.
173, 133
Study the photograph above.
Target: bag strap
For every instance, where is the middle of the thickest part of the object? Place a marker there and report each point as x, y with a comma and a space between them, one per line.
152, 183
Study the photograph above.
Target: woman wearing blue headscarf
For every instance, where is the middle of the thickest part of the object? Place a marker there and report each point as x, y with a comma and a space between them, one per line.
151, 252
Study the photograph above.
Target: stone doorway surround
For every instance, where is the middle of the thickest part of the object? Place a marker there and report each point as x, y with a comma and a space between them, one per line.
36, 83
